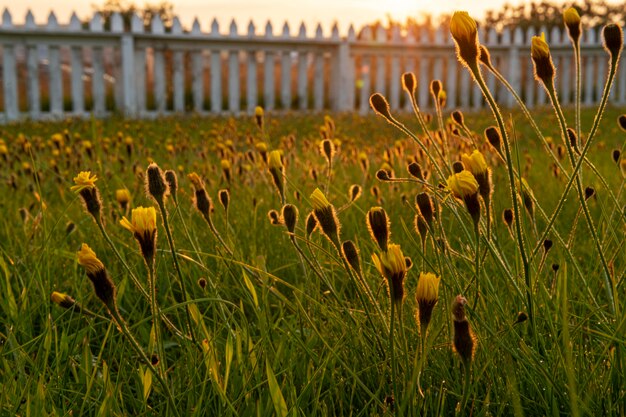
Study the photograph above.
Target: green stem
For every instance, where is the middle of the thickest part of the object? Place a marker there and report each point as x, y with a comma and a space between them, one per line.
394, 376
581, 192
156, 318
134, 279
133, 342
473, 67
181, 281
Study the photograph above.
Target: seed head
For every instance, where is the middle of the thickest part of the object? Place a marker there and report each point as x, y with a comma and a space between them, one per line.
155, 183
409, 83
378, 226
290, 217
613, 40
380, 105
172, 182
493, 137
351, 255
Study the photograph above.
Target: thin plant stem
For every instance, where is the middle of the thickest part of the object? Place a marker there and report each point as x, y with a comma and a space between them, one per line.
581, 194
475, 70
134, 279
133, 342
156, 318
181, 281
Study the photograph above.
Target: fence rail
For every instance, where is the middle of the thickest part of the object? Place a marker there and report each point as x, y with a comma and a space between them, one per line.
53, 70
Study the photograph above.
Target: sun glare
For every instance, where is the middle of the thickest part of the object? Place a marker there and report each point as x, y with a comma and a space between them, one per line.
401, 9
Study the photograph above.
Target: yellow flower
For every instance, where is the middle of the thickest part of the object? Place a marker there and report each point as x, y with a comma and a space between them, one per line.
475, 163
57, 297
275, 160
122, 196
87, 259
261, 147
392, 266
571, 17
463, 184
225, 164
143, 221
427, 288
84, 180
3, 149
391, 262
464, 31
539, 48
258, 111
319, 201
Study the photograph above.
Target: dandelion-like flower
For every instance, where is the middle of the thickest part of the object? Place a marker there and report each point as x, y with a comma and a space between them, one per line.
378, 226
542, 60
326, 216
571, 18
102, 284
426, 295
84, 180
476, 164
85, 186
392, 266
143, 226
465, 187
465, 34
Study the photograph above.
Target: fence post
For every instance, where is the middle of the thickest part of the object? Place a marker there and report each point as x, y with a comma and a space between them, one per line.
77, 69
269, 89
197, 71
233, 73
55, 83
160, 95
318, 74
394, 86
333, 93
365, 74
251, 82
529, 80
178, 71
139, 70
345, 76
423, 76
514, 66
11, 107
32, 64
285, 73
409, 64
97, 63
216, 72
303, 93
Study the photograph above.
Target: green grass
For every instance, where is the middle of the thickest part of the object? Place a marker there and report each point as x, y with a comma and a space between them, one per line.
278, 338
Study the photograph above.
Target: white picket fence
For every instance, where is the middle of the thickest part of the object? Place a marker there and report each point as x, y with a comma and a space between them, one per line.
52, 70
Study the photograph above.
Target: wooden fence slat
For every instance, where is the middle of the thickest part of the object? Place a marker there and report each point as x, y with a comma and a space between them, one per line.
9, 85
251, 74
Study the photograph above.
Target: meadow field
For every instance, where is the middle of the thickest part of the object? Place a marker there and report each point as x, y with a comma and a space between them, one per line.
256, 312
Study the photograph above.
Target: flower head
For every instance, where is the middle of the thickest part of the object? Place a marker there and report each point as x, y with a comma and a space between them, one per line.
540, 54
427, 295
427, 288
571, 18
462, 184
275, 160
319, 200
143, 220
97, 274
84, 180
392, 266
87, 259
475, 163
464, 32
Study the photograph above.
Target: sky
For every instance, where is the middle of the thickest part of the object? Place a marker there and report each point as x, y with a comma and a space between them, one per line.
344, 12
